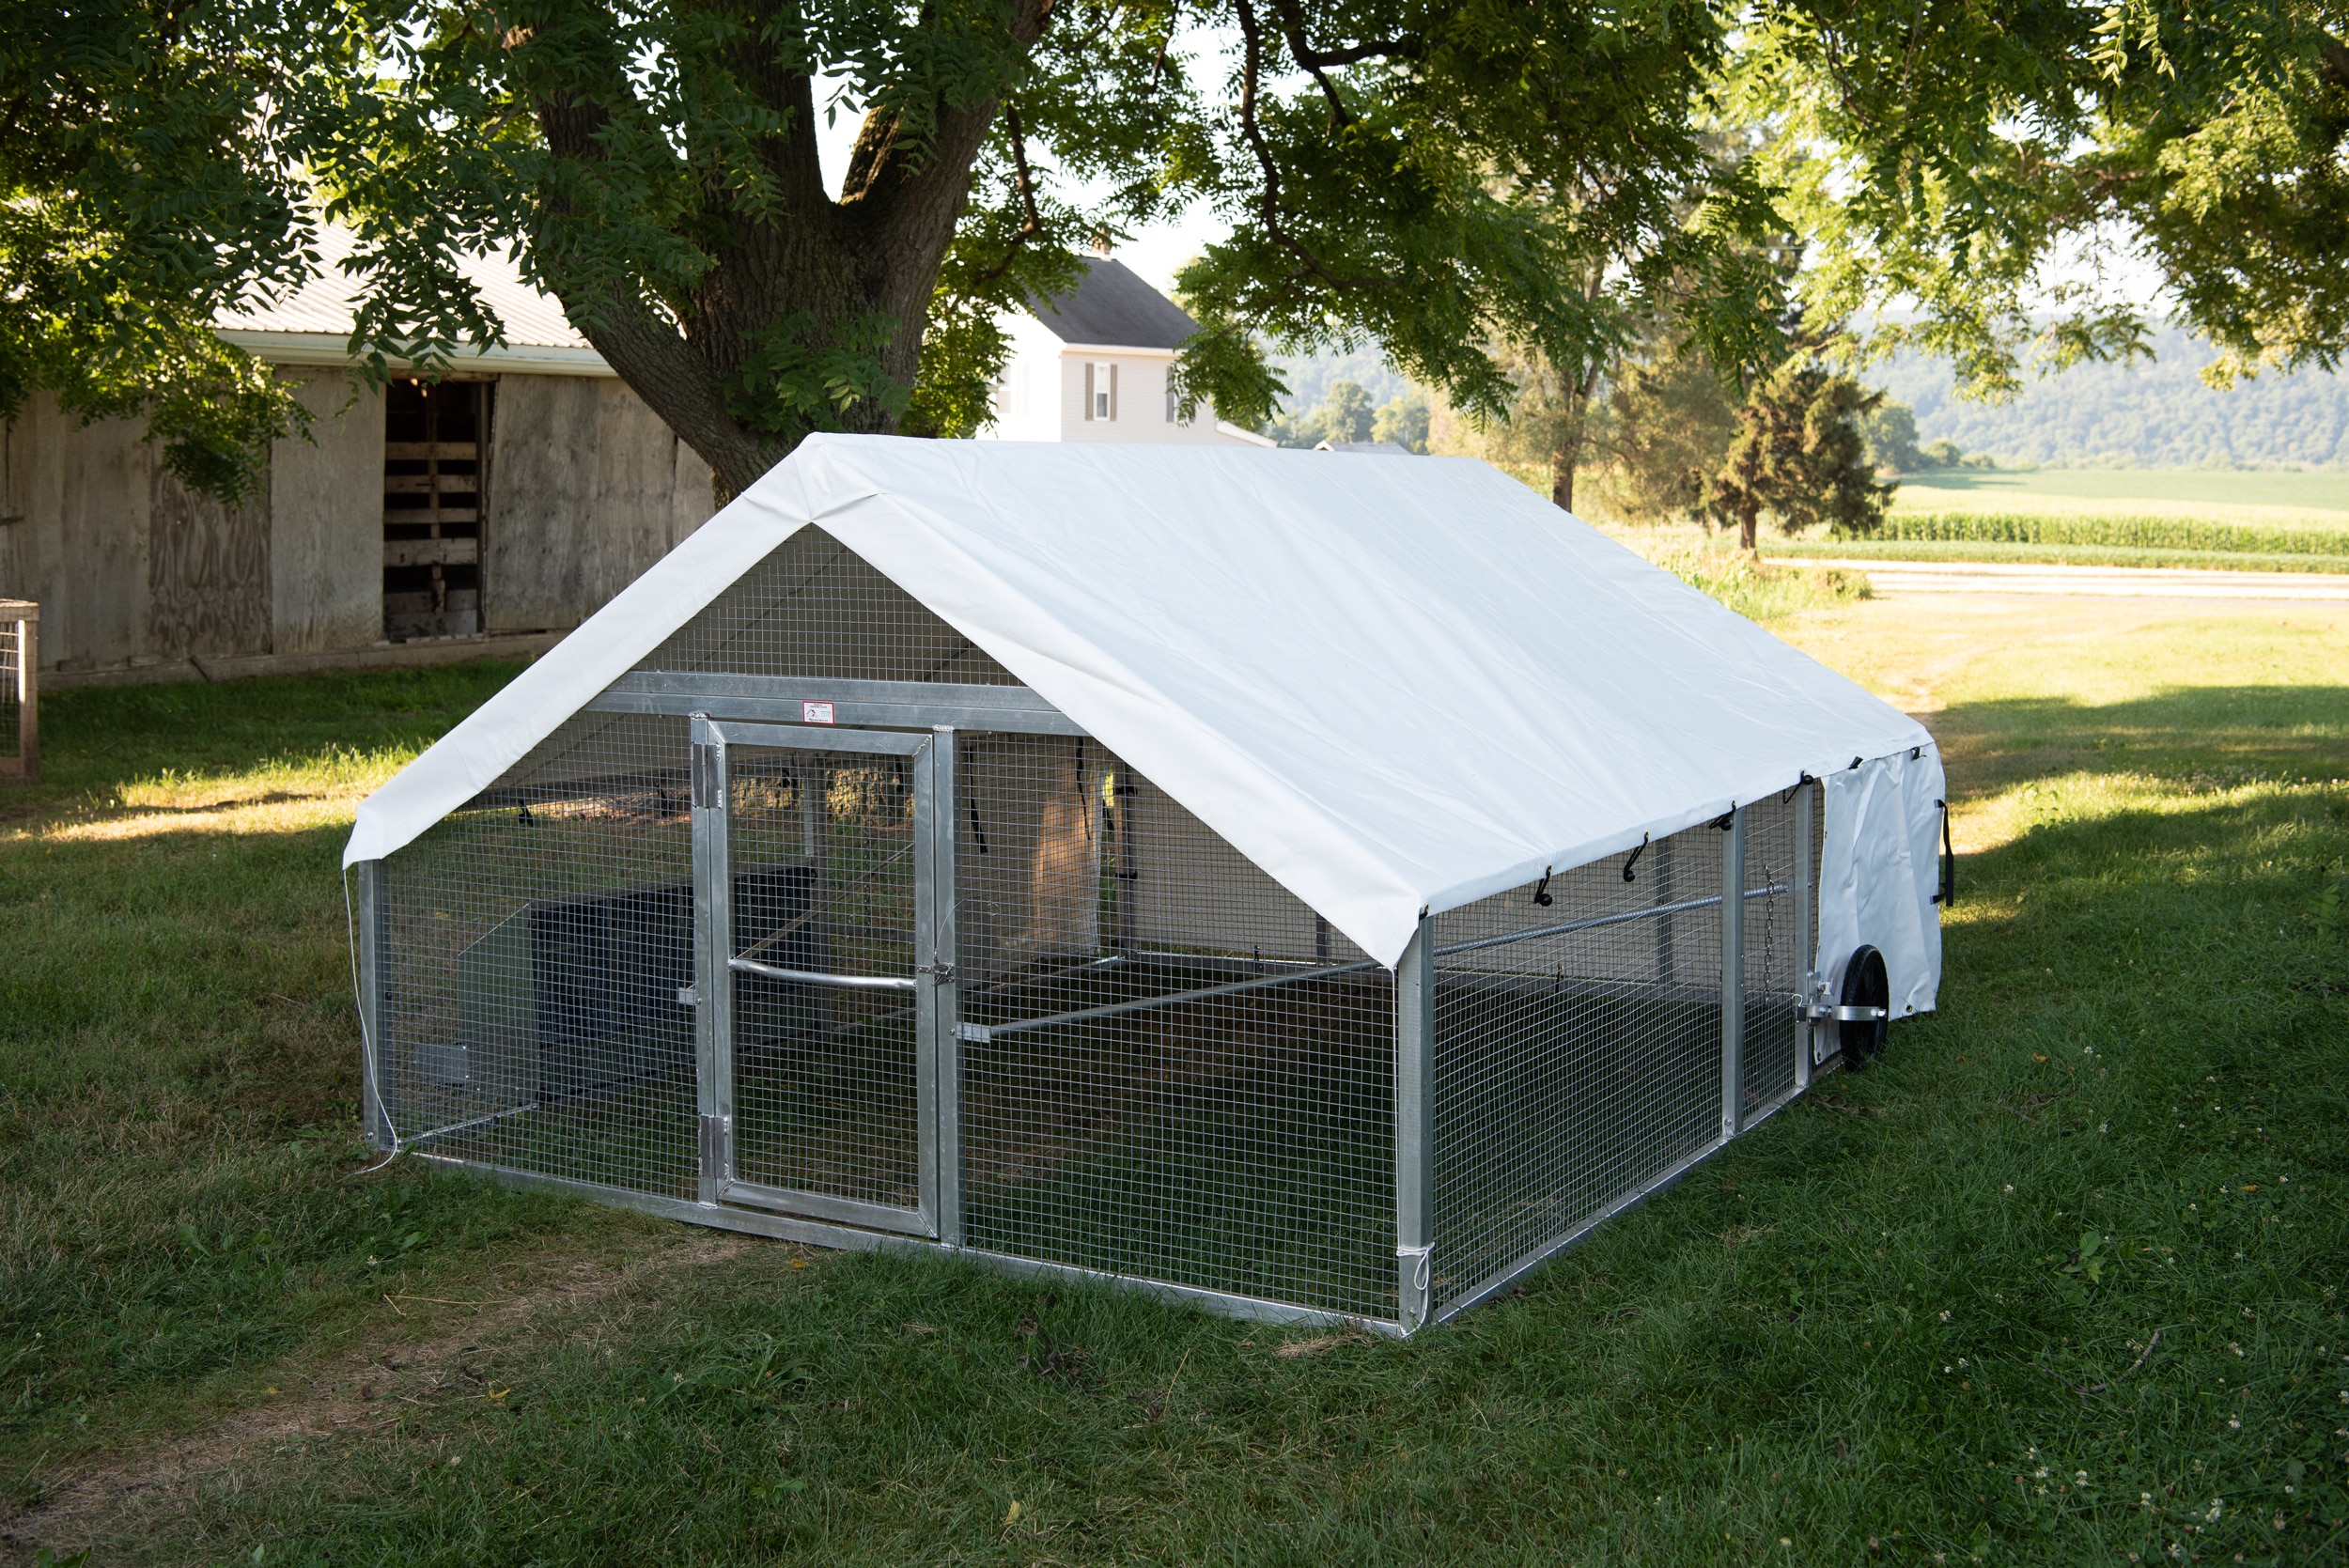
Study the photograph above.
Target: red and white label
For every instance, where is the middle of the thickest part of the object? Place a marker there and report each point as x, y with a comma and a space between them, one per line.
816, 713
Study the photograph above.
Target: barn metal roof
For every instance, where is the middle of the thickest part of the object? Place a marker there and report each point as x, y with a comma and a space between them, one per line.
312, 326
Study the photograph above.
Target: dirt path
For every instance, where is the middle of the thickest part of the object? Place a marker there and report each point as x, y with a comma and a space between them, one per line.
359, 1389
1894, 578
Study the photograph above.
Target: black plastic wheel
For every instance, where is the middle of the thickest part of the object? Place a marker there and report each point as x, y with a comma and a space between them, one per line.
1865, 986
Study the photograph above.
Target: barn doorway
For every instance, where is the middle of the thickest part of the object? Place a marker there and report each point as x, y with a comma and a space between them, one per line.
436, 443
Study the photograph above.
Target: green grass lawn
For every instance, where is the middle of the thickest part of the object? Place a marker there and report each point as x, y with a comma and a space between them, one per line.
2058, 1281
1951, 489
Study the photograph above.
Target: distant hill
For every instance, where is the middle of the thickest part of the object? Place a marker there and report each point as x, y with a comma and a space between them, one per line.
2150, 415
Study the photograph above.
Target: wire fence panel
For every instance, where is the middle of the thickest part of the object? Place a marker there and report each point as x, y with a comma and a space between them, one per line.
11, 689
1774, 968
822, 846
538, 945
1578, 1048
815, 609
1177, 1072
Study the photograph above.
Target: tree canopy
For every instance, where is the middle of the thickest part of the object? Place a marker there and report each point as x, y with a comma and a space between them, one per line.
1456, 181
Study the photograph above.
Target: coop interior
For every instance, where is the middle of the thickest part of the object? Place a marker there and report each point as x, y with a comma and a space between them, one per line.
1163, 1065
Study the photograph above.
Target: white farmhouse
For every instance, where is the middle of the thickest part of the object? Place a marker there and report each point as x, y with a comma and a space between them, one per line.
1095, 363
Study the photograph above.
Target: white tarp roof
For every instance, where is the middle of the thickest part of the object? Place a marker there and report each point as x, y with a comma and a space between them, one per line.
1394, 684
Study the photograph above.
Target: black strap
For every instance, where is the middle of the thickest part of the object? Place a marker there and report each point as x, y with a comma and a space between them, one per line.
1948, 895
1635, 858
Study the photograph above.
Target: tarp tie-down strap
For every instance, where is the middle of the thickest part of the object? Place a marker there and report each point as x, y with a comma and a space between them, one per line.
1633, 861
1948, 895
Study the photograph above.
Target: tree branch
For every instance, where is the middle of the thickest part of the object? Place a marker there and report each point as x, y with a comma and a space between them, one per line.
1026, 183
1269, 208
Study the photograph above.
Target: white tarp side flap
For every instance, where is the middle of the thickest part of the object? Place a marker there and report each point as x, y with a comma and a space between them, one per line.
1878, 868
534, 704
1465, 683
1924, 787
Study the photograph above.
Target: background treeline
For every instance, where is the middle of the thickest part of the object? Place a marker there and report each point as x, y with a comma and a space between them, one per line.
2155, 413
2150, 414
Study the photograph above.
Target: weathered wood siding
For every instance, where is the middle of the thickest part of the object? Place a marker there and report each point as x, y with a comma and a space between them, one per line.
207, 573
83, 496
326, 519
587, 489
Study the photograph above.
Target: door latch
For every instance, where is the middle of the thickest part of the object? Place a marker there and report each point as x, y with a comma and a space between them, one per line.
941, 973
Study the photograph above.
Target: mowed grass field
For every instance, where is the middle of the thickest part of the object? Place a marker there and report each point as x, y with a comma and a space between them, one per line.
2057, 1281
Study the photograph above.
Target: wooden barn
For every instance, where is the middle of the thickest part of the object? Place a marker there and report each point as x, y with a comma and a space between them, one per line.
483, 515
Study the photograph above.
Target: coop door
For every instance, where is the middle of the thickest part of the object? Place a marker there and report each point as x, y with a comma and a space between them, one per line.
818, 974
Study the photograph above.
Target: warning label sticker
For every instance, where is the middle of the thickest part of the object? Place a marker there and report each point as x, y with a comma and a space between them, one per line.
816, 713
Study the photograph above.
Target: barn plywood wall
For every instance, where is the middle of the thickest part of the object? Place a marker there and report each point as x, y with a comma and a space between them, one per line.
588, 488
326, 521
132, 572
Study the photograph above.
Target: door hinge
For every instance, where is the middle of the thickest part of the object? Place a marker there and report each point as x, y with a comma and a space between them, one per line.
704, 771
714, 1146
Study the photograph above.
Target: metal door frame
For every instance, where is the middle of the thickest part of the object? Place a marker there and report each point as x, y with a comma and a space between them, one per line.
713, 954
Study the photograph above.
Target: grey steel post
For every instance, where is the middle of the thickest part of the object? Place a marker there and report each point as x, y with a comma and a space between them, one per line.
1804, 959
372, 995
1414, 1129
713, 983
1733, 976
944, 999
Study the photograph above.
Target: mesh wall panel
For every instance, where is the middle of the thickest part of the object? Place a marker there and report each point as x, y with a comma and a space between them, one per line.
534, 944
1572, 1067
1146, 1104
823, 847
814, 608
1774, 969
11, 667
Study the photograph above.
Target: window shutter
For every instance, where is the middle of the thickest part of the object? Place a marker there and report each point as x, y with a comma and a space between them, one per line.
1113, 390
1088, 389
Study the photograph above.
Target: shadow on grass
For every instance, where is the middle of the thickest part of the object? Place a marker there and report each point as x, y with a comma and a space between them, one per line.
2256, 732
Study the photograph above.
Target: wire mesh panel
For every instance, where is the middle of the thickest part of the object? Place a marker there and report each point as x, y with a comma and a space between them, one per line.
815, 607
11, 688
538, 947
1774, 926
1177, 1072
1577, 1045
823, 853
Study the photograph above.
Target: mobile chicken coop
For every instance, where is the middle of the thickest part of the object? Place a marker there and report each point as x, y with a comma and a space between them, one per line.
1317, 886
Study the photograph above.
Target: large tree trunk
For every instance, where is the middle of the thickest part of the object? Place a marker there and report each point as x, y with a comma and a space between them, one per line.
875, 251
1748, 517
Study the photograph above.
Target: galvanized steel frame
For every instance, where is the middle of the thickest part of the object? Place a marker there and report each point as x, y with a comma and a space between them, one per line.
920, 721
367, 912
714, 964
818, 1233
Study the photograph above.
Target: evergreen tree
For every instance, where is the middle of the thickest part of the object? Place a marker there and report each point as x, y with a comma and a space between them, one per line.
1798, 456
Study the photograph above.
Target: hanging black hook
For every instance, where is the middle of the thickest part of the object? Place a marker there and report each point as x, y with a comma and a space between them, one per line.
1800, 779
1541, 894
1635, 858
